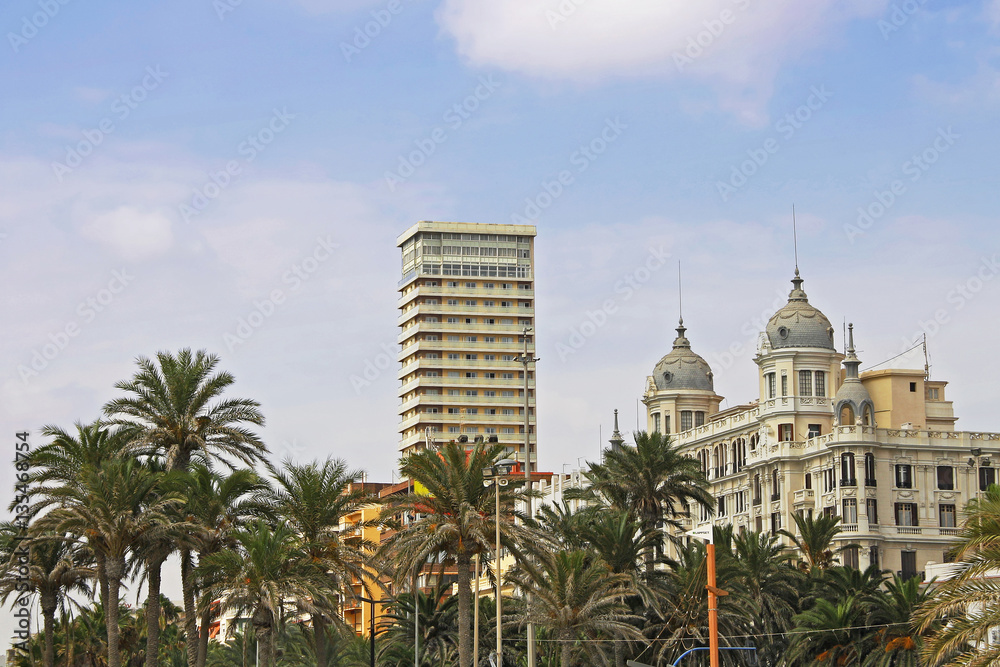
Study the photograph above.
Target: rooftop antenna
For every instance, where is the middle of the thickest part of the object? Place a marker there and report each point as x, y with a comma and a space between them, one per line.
927, 363
795, 241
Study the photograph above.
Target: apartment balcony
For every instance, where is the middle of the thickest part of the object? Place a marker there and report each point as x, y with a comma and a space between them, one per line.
848, 527
460, 346
479, 310
465, 383
438, 419
908, 530
803, 496
443, 400
495, 293
478, 328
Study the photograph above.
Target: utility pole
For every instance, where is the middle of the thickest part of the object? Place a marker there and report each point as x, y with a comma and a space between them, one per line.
526, 359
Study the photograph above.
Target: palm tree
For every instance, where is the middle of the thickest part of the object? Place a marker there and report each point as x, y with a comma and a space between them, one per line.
154, 548
438, 629
113, 506
898, 642
56, 567
169, 411
457, 518
768, 588
170, 404
830, 633
967, 605
576, 596
314, 499
652, 480
267, 567
215, 506
59, 462
814, 539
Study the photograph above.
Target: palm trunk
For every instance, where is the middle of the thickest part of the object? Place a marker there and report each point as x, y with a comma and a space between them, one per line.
566, 653
153, 568
102, 578
206, 621
649, 557
190, 613
619, 653
49, 604
116, 569
319, 630
464, 562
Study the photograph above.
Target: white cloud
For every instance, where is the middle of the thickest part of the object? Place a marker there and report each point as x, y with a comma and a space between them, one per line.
735, 46
131, 232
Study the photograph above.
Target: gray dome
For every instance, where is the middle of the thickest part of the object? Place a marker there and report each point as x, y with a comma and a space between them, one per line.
852, 391
799, 324
682, 368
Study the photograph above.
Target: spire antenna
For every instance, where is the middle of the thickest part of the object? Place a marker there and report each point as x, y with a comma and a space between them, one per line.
680, 294
795, 241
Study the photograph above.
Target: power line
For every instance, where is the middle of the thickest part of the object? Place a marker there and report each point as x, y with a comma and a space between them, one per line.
896, 357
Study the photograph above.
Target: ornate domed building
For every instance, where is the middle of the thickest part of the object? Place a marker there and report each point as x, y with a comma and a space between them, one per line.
877, 448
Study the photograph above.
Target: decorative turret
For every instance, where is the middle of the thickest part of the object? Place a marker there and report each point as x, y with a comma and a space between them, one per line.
853, 404
616, 437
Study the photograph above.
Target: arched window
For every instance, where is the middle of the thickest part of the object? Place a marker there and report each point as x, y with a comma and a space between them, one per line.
756, 489
846, 415
775, 485
867, 419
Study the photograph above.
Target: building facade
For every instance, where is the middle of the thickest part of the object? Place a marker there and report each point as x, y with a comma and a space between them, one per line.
467, 313
877, 448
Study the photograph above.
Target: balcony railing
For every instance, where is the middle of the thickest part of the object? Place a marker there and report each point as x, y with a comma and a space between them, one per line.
908, 530
849, 482
870, 482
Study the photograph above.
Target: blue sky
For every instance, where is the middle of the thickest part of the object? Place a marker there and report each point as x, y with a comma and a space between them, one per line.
892, 107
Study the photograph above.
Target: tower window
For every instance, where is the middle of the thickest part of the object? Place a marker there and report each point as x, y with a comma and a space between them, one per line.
805, 383
784, 385
656, 421
699, 418
820, 383
687, 420
769, 381
913, 387
666, 423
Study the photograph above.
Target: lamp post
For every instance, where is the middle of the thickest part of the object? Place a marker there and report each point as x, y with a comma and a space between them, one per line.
526, 359
496, 475
371, 626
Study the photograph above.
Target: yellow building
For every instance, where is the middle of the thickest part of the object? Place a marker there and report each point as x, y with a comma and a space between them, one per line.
877, 448
466, 298
360, 614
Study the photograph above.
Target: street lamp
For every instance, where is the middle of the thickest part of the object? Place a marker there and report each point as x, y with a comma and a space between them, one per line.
526, 359
496, 475
372, 604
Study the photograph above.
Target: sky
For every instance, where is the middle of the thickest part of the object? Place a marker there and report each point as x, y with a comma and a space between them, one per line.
232, 175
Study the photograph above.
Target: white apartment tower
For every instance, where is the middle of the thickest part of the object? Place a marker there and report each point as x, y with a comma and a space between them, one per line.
466, 297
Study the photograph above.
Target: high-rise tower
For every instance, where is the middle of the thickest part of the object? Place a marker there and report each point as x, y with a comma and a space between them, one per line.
467, 295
